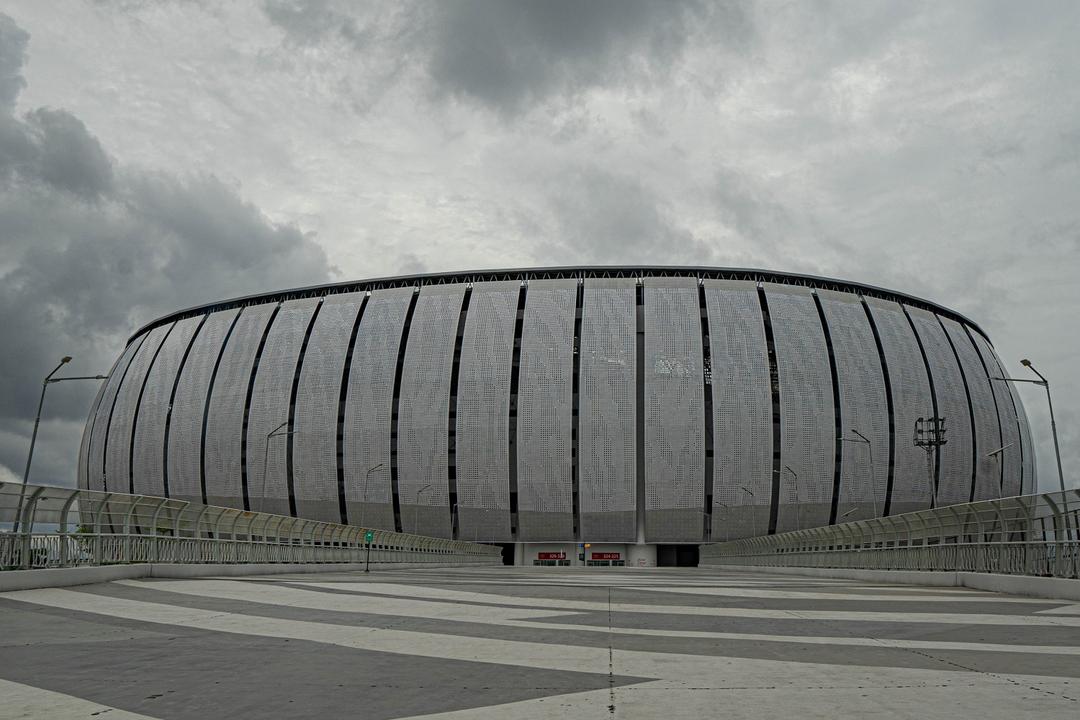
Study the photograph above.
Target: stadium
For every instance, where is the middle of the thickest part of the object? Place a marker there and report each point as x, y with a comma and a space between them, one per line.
582, 415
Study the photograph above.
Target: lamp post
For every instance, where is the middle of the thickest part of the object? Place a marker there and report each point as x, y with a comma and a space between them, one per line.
996, 456
49, 379
416, 508
798, 506
727, 527
363, 503
847, 513
753, 509
870, 450
276, 432
1053, 425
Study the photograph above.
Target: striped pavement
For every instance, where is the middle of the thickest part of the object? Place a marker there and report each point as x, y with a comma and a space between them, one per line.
512, 643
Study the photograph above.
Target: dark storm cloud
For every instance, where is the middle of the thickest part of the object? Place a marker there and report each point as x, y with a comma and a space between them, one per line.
506, 56
92, 249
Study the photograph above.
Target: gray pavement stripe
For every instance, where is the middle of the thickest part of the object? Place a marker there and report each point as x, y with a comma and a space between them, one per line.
19, 700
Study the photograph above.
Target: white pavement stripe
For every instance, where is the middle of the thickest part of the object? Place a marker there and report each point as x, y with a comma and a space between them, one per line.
443, 594
677, 670
449, 611
26, 701
341, 602
804, 595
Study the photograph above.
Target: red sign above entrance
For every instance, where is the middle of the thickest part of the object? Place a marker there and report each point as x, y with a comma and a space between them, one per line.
551, 556
606, 556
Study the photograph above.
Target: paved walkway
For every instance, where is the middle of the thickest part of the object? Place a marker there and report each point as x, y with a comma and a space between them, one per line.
508, 643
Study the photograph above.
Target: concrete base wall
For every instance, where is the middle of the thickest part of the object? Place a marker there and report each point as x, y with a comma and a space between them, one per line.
67, 577
1027, 585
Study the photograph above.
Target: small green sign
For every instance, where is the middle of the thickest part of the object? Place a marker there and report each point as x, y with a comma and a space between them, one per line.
369, 536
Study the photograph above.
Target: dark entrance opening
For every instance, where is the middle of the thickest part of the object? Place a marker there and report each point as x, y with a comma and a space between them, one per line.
507, 553
676, 555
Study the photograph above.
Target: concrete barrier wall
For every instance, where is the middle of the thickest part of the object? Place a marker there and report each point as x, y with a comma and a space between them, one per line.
1027, 585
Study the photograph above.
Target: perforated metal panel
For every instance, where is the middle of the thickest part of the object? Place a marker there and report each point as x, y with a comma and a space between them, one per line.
545, 412
742, 411
423, 409
88, 432
148, 461
807, 432
316, 414
912, 477
189, 408
864, 407
268, 489
1028, 465
95, 478
483, 411
987, 432
954, 485
118, 475
607, 413
1009, 457
368, 407
225, 421
674, 411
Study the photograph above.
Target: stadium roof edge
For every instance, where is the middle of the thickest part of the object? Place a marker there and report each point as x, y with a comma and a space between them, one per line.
563, 272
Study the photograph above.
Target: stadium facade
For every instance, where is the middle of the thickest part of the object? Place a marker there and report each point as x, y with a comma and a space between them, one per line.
633, 409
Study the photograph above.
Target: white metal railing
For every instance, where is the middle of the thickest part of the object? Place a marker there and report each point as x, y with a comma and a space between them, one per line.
1023, 535
44, 526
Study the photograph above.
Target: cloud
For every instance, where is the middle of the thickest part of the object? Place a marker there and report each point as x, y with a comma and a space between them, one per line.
93, 248
507, 57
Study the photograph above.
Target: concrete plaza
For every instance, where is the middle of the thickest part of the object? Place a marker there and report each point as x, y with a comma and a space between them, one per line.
507, 643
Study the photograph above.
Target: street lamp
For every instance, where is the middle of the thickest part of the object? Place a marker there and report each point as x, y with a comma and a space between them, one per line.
727, 526
276, 432
753, 509
363, 503
1053, 425
869, 449
416, 508
847, 513
996, 456
49, 379
798, 506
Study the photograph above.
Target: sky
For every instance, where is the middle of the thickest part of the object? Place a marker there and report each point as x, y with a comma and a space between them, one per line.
157, 155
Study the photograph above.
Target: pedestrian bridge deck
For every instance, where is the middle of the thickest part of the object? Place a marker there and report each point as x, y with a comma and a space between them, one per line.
534, 643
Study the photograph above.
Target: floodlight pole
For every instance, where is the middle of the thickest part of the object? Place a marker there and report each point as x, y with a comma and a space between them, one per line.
753, 508
416, 509
1050, 403
266, 456
363, 503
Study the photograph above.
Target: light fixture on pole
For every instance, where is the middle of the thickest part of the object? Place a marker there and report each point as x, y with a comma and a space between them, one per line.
847, 513
753, 508
798, 504
870, 449
363, 503
416, 509
276, 432
49, 379
996, 456
1050, 404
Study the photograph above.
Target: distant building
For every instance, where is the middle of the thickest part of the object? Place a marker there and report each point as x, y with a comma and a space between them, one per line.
640, 410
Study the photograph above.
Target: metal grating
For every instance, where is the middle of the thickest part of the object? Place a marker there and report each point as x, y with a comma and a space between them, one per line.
607, 413
545, 409
225, 420
742, 410
368, 407
1009, 458
863, 406
987, 431
118, 458
148, 461
189, 408
422, 411
912, 481
483, 412
674, 411
806, 408
315, 421
954, 484
268, 489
